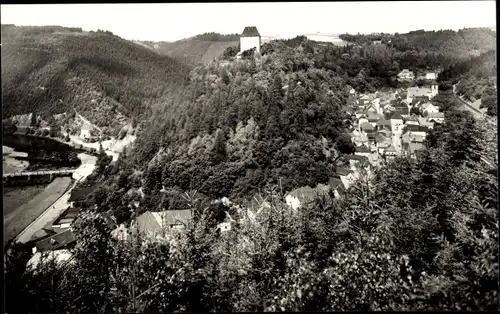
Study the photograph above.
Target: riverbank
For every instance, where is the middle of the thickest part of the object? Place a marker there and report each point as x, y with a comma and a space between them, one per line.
10, 163
56, 208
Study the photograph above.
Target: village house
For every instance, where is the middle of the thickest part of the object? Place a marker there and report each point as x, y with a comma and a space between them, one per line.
249, 39
357, 160
362, 150
55, 242
423, 122
377, 42
429, 108
361, 139
406, 75
382, 143
422, 93
367, 127
430, 76
435, 117
396, 122
155, 224
85, 131
414, 148
383, 124
390, 152
373, 118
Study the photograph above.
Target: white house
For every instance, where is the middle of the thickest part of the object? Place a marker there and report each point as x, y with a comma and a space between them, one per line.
250, 38
85, 131
406, 75
430, 76
414, 92
429, 108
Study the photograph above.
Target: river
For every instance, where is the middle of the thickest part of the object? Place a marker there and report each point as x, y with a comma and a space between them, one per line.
38, 152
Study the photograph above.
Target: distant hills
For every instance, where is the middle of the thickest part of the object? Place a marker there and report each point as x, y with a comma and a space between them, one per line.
197, 49
50, 70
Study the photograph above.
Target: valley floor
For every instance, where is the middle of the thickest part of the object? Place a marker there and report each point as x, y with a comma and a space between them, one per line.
18, 219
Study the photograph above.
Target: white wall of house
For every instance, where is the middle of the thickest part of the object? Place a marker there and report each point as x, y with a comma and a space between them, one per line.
430, 76
249, 43
434, 90
85, 133
431, 109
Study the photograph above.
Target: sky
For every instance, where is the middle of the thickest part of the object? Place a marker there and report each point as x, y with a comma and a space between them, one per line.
174, 21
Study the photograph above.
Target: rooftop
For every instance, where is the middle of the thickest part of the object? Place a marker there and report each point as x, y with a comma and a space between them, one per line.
56, 241
415, 147
435, 115
250, 31
418, 91
336, 184
343, 171
367, 126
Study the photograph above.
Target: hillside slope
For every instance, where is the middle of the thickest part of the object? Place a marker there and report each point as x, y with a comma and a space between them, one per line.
53, 70
198, 49
456, 44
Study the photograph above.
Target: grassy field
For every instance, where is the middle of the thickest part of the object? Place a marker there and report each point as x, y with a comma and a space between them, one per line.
14, 196
19, 218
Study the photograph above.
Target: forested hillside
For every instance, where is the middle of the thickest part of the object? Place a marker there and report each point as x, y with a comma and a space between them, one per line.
454, 44
197, 49
247, 125
51, 70
475, 79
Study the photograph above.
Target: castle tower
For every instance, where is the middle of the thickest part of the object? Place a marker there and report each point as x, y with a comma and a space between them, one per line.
250, 38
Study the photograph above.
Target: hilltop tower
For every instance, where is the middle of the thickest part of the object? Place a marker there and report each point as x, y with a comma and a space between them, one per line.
250, 38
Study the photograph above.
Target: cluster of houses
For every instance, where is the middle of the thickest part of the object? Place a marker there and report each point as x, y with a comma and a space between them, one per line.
386, 126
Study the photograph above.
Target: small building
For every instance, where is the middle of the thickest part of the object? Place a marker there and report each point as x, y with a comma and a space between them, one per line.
224, 226
358, 160
367, 127
429, 108
373, 118
362, 150
85, 131
390, 152
249, 39
430, 76
396, 122
436, 117
422, 93
383, 123
406, 75
423, 122
342, 171
56, 242
377, 42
